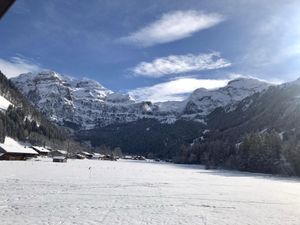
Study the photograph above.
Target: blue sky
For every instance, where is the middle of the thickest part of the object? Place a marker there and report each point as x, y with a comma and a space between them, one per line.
145, 47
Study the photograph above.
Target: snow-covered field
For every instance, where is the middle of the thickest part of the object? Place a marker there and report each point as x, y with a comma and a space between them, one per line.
127, 192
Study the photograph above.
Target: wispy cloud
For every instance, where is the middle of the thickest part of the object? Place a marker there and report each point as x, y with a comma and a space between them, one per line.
17, 65
174, 90
175, 64
173, 26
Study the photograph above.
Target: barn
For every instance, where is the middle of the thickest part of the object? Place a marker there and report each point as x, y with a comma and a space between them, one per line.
13, 150
60, 159
59, 155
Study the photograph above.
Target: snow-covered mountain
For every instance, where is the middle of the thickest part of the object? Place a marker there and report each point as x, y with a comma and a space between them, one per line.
78, 103
23, 122
85, 104
203, 101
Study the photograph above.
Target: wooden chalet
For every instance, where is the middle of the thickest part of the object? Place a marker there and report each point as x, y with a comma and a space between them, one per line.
13, 150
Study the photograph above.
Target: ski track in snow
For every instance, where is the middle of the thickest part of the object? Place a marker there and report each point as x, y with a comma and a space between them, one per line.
128, 192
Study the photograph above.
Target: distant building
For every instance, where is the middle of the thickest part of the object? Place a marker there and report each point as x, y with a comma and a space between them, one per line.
79, 156
60, 159
41, 150
139, 157
98, 156
56, 153
128, 157
87, 155
59, 155
108, 157
13, 150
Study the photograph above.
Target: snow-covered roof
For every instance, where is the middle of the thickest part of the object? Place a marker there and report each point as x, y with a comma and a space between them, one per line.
12, 146
97, 155
86, 153
61, 152
59, 157
40, 149
4, 103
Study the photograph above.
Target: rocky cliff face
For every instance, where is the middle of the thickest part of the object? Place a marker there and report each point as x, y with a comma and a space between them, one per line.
86, 104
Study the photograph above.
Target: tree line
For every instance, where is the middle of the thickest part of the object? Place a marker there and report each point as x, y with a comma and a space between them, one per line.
266, 152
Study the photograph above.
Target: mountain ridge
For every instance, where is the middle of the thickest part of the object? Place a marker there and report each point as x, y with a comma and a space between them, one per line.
86, 104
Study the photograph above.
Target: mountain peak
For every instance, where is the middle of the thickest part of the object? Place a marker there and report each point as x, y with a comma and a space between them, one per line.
247, 82
88, 83
203, 101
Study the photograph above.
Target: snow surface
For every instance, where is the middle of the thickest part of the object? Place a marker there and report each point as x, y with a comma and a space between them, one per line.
132, 192
4, 103
12, 146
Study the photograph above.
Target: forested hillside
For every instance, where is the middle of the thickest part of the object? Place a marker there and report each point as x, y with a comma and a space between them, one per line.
148, 137
23, 122
260, 135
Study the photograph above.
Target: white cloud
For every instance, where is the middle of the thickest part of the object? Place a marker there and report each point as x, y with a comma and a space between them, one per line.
173, 26
16, 65
175, 90
175, 64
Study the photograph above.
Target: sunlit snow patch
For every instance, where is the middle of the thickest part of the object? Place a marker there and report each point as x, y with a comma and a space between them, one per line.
4, 103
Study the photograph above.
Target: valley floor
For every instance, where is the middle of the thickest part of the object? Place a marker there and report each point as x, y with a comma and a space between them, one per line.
127, 192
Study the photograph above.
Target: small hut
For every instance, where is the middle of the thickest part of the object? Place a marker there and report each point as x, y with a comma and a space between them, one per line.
59, 155
60, 159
